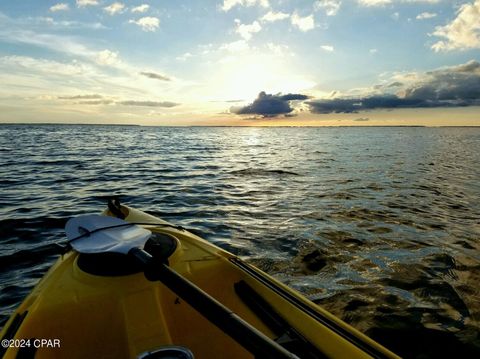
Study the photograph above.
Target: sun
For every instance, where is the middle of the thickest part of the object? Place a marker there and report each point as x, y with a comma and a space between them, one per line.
243, 77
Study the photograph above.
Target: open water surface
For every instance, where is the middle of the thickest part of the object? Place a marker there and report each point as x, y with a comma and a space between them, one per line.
381, 226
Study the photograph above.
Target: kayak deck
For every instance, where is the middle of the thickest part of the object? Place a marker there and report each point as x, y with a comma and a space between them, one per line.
122, 316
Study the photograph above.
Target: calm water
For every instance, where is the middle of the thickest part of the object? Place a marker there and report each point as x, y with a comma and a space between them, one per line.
381, 226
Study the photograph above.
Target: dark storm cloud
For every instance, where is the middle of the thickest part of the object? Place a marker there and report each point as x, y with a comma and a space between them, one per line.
459, 83
268, 105
353, 105
293, 96
81, 97
149, 103
455, 86
155, 76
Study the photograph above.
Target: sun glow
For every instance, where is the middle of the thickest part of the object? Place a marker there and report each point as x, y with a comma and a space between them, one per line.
243, 77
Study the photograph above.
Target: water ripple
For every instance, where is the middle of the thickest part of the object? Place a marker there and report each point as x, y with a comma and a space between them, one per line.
378, 225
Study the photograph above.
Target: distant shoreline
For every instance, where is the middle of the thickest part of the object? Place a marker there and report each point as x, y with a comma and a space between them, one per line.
220, 126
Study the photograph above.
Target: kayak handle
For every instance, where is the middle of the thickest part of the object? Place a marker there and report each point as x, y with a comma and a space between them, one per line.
225, 319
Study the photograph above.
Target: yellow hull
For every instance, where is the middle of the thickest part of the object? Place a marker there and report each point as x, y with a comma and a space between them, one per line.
122, 316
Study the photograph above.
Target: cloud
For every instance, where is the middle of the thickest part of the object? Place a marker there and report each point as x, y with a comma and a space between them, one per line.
114, 8
455, 86
148, 23
395, 84
19, 25
81, 97
273, 16
96, 99
292, 96
166, 104
354, 105
327, 48
15, 32
107, 57
229, 4
29, 66
67, 24
155, 76
426, 15
59, 7
331, 7
84, 3
463, 32
96, 102
373, 51
247, 31
58, 43
82, 68
141, 8
280, 49
268, 105
372, 3
303, 23
362, 119
184, 57
236, 46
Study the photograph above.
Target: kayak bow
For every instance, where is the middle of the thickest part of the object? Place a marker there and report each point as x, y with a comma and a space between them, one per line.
168, 294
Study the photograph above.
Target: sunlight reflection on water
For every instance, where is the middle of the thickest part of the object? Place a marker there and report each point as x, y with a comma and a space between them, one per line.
378, 225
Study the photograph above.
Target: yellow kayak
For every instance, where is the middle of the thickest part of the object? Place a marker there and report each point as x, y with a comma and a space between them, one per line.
101, 305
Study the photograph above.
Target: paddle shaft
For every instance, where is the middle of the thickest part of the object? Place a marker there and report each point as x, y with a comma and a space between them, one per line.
245, 334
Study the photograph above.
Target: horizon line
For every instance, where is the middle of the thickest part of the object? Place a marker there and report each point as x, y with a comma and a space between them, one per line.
220, 126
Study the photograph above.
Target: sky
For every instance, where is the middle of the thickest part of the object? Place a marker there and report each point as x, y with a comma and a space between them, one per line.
241, 62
